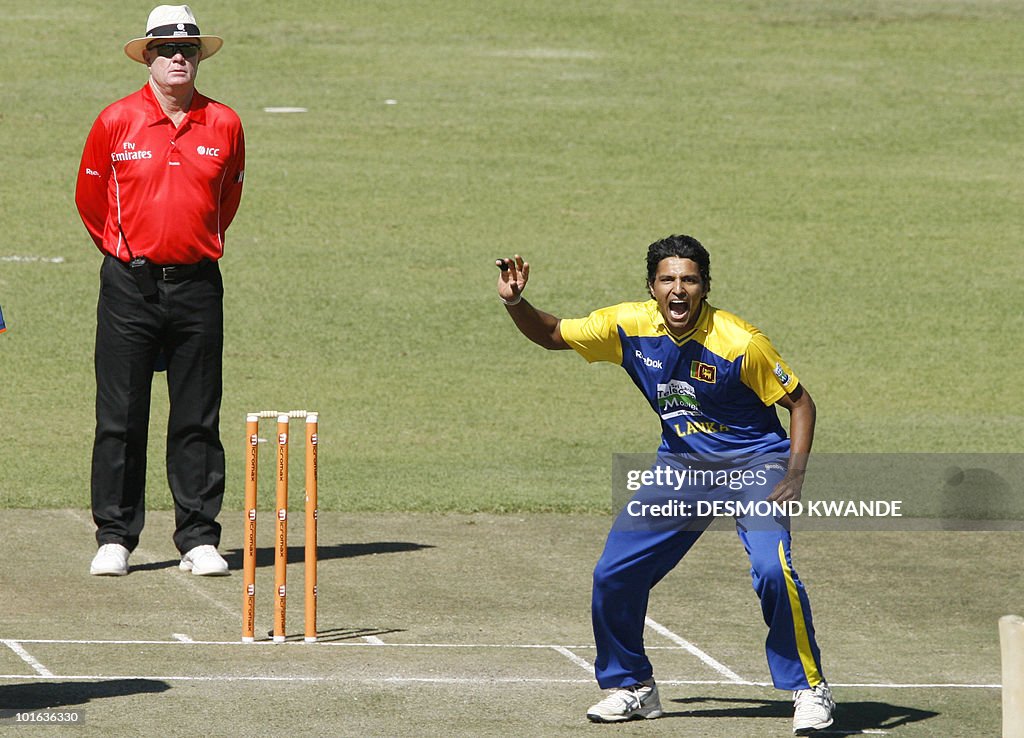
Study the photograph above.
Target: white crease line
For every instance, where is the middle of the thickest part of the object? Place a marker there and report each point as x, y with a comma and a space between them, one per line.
320, 644
28, 658
706, 658
927, 685
45, 259
580, 662
166, 678
479, 680
341, 679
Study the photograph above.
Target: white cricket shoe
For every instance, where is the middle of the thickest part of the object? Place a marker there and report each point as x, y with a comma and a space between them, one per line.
626, 703
204, 561
110, 561
813, 709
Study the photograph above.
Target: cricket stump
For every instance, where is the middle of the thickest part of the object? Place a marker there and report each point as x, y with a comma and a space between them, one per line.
1011, 642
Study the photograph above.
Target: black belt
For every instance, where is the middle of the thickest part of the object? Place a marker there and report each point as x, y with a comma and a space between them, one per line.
176, 272
171, 272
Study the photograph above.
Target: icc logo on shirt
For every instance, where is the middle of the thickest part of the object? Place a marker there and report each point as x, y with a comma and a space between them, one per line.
207, 151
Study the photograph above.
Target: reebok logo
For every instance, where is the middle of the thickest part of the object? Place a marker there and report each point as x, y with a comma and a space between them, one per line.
652, 363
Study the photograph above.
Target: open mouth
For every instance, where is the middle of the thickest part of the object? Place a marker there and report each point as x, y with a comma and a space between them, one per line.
678, 309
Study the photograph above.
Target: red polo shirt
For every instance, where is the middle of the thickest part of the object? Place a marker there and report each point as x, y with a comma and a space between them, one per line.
174, 191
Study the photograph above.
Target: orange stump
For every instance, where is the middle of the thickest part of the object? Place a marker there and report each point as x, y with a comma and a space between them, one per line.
252, 456
281, 532
312, 423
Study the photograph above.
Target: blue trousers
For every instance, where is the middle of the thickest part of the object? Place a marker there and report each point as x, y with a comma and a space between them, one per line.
639, 553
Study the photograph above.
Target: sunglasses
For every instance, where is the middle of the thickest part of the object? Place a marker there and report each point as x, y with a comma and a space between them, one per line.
167, 51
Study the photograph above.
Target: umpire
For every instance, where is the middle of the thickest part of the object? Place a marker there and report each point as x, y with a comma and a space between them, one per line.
159, 184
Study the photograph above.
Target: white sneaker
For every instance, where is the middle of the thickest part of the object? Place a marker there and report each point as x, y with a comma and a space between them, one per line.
204, 561
813, 709
110, 561
636, 701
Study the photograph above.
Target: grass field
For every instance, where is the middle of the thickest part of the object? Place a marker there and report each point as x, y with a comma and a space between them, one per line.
853, 167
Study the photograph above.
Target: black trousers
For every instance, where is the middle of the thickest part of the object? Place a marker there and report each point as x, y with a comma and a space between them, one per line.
183, 323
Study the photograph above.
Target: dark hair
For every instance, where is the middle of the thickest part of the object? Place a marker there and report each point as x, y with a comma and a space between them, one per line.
684, 247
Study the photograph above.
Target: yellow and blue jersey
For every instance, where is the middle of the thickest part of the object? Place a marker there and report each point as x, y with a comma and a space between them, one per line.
714, 388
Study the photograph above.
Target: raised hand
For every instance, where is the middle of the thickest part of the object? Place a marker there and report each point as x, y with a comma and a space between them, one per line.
515, 273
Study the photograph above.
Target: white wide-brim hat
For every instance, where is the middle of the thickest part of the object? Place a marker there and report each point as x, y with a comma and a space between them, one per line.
172, 22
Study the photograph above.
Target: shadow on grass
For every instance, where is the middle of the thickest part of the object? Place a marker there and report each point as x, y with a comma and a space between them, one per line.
850, 717
42, 695
265, 556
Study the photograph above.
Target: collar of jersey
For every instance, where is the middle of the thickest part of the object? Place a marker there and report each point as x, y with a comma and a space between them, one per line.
196, 112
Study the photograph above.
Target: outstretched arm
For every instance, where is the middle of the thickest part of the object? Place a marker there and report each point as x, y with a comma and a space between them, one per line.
538, 326
802, 415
